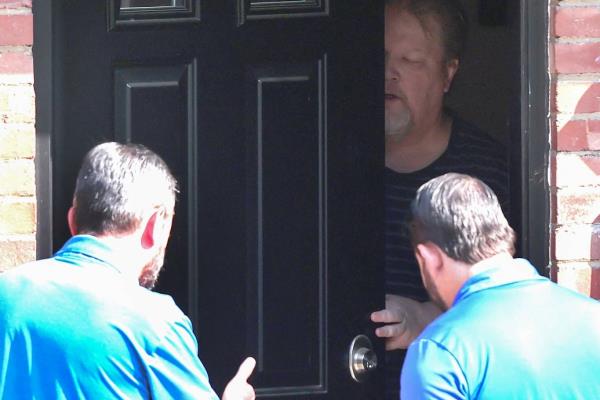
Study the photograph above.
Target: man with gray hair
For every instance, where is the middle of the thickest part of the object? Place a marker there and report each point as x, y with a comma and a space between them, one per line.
83, 323
506, 332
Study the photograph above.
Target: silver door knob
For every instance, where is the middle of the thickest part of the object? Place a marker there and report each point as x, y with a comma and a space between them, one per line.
361, 358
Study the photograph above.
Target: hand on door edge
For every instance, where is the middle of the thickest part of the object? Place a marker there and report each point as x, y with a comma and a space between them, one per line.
406, 319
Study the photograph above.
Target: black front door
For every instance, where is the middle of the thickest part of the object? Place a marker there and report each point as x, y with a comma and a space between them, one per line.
269, 114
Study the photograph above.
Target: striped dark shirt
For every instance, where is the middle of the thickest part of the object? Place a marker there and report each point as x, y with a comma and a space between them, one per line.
469, 151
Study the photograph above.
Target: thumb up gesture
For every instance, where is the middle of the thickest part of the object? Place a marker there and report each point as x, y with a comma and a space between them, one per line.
238, 387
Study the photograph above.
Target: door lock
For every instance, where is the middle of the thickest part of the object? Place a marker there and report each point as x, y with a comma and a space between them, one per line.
361, 358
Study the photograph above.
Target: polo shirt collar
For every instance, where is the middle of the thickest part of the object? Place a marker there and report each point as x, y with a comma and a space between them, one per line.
494, 273
83, 250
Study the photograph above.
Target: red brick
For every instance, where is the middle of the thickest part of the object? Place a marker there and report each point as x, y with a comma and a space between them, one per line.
15, 252
578, 206
11, 4
579, 135
17, 177
17, 104
16, 63
577, 57
591, 3
595, 283
553, 134
554, 273
553, 93
553, 178
577, 97
14, 4
17, 141
553, 202
577, 22
16, 30
581, 277
590, 101
17, 218
577, 170
578, 243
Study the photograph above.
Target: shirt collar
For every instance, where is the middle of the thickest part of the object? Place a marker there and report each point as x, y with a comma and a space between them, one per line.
87, 249
496, 272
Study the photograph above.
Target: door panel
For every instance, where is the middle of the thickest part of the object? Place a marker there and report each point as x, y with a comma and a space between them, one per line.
287, 199
155, 105
264, 9
270, 116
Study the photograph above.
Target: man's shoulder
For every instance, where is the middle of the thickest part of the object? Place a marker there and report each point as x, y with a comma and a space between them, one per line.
19, 275
55, 282
459, 327
468, 136
448, 325
160, 306
155, 311
472, 151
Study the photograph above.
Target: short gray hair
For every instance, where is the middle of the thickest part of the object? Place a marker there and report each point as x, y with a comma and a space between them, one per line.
117, 184
451, 17
461, 215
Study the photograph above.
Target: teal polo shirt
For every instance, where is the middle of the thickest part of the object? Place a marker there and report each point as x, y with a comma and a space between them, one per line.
510, 334
75, 326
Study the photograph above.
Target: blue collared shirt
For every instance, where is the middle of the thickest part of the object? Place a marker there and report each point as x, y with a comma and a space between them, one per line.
75, 326
510, 334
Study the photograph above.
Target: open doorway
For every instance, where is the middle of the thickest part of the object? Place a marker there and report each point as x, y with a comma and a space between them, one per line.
502, 88
487, 78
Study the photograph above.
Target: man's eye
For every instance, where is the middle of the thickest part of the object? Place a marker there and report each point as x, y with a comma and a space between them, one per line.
413, 60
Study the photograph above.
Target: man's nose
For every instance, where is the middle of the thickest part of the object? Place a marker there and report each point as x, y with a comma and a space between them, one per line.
391, 74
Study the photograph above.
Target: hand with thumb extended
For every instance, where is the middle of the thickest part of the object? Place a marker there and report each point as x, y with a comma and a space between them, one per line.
238, 387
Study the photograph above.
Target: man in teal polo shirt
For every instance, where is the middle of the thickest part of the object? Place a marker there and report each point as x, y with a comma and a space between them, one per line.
507, 332
83, 324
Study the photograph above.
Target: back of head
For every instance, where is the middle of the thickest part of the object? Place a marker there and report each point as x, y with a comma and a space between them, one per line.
462, 216
450, 16
117, 185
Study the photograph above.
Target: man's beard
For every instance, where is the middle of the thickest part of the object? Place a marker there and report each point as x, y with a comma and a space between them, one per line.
151, 270
397, 125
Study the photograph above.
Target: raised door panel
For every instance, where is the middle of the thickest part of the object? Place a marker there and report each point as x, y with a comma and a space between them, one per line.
156, 105
268, 9
287, 226
134, 14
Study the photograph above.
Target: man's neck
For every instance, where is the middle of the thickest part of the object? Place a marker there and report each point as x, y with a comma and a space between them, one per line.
491, 262
125, 253
420, 147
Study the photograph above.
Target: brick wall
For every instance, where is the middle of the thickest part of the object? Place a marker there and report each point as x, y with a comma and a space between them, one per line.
575, 168
17, 135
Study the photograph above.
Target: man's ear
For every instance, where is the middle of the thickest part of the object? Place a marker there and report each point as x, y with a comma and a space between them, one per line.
451, 70
156, 228
71, 221
429, 256
149, 233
